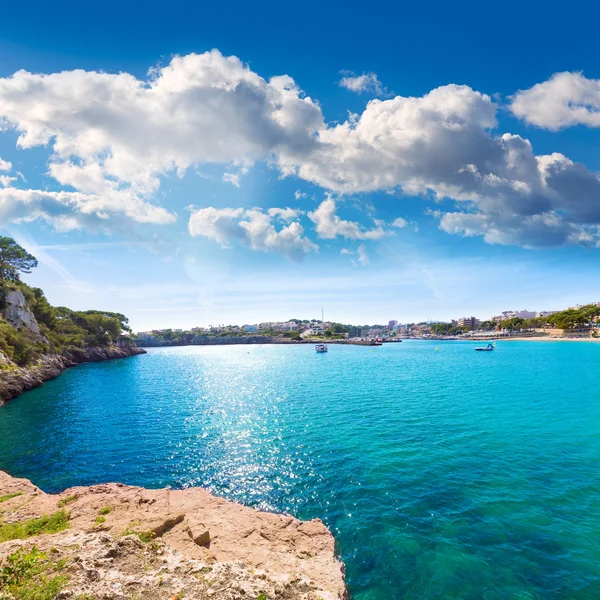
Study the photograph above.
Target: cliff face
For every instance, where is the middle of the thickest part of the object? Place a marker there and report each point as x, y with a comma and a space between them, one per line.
18, 314
126, 542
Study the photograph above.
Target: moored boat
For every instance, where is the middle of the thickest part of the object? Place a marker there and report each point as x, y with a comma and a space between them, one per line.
321, 347
488, 348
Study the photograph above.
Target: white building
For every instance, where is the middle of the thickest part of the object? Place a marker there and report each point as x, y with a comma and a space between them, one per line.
314, 331
514, 314
470, 322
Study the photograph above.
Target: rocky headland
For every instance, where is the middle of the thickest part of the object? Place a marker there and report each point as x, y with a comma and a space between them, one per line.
16, 379
113, 541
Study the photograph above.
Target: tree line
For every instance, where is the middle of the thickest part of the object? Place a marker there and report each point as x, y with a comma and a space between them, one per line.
570, 318
61, 328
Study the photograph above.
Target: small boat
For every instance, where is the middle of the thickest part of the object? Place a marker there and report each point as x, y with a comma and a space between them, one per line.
321, 347
488, 348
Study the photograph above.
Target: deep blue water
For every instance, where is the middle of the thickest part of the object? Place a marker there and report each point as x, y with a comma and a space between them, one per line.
443, 473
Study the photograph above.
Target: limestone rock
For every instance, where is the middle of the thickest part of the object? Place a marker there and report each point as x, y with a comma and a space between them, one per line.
199, 533
18, 314
251, 552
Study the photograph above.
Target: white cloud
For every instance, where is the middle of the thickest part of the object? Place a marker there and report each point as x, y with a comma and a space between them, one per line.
114, 133
441, 145
285, 214
5, 165
399, 223
253, 229
66, 211
363, 257
566, 99
113, 136
329, 225
233, 177
367, 82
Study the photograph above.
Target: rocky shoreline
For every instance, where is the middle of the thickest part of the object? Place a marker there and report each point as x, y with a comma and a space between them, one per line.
15, 380
121, 542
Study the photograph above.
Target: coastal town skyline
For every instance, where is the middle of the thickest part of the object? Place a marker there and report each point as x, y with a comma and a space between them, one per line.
372, 328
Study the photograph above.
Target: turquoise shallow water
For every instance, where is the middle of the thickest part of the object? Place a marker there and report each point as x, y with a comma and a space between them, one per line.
443, 474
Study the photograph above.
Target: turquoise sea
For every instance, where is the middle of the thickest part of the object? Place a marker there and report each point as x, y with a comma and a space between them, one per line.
443, 473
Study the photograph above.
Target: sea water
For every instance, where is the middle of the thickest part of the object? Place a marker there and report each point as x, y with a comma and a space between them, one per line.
442, 472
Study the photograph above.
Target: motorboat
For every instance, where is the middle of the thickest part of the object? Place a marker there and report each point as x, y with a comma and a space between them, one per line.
321, 347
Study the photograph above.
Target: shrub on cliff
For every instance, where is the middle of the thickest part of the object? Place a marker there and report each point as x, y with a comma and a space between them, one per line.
18, 345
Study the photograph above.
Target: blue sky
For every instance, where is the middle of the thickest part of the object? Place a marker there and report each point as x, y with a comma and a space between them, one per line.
194, 165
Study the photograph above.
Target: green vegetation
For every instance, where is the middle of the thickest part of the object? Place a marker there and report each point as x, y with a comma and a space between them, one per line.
99, 520
105, 510
13, 261
62, 329
573, 318
29, 575
145, 536
9, 496
68, 500
53, 523
447, 329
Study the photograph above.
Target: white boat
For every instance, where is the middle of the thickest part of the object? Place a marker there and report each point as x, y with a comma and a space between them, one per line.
321, 347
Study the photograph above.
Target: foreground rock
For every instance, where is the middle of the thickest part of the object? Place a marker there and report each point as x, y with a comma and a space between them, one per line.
15, 380
128, 542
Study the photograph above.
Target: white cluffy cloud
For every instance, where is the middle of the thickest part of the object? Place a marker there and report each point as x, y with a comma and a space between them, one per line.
565, 100
367, 82
113, 136
6, 167
329, 225
254, 229
363, 257
441, 145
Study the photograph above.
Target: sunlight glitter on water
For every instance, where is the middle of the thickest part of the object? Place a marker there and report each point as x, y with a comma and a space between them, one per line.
442, 474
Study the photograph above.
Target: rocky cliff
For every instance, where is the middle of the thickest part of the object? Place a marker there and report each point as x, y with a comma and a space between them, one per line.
15, 380
18, 314
120, 542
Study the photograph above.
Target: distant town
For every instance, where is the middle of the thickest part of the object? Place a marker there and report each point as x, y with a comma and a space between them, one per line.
575, 321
